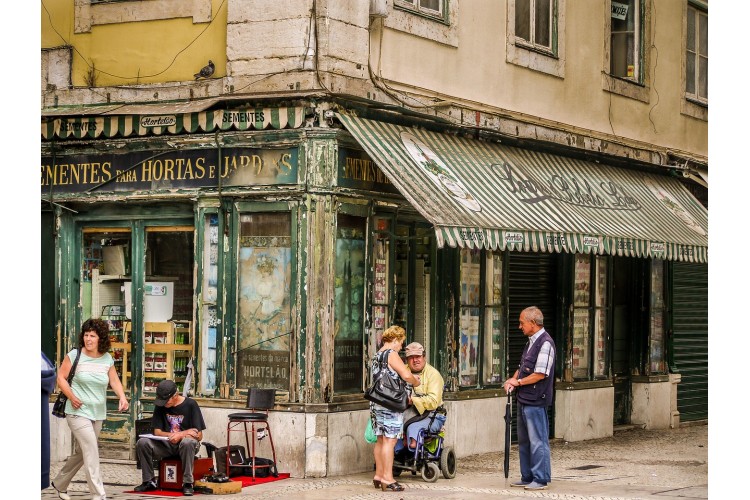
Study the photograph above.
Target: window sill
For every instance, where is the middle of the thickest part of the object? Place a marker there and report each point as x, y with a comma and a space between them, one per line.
583, 385
625, 88
695, 109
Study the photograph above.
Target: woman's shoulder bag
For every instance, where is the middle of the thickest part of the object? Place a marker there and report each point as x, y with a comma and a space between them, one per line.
387, 391
58, 409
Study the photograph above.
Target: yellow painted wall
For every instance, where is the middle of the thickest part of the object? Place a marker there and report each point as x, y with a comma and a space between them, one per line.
477, 71
158, 51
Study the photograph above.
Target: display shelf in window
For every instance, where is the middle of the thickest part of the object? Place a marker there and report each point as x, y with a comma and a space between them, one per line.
166, 345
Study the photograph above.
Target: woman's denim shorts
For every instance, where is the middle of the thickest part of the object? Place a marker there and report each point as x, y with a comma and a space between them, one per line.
387, 423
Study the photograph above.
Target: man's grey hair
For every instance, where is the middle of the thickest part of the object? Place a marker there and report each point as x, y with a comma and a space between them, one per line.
533, 314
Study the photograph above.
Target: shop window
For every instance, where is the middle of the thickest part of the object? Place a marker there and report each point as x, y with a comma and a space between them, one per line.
625, 40
533, 24
429, 8
590, 310
696, 55
381, 309
481, 318
349, 303
657, 314
264, 300
210, 295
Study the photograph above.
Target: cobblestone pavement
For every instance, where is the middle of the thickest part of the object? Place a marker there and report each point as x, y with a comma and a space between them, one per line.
633, 464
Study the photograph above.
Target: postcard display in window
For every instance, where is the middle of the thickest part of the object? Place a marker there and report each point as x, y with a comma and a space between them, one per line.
581, 301
469, 322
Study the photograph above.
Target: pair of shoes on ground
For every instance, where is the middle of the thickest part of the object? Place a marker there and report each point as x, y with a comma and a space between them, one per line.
62, 494
146, 486
394, 486
533, 485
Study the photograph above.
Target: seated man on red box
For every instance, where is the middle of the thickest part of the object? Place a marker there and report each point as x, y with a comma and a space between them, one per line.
180, 421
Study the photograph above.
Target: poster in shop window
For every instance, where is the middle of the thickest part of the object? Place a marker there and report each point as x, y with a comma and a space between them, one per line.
264, 316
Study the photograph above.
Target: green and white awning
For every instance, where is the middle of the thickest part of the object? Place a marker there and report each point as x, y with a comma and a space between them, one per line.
482, 194
166, 120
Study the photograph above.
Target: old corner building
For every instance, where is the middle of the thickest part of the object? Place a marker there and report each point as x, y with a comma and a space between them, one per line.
352, 165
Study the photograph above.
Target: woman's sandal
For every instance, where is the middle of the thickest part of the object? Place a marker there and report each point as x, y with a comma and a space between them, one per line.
376, 483
394, 486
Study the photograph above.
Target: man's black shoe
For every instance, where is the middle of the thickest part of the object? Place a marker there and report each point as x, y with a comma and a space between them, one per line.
187, 489
145, 486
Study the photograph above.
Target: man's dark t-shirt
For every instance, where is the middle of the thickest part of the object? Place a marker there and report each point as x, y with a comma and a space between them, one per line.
186, 415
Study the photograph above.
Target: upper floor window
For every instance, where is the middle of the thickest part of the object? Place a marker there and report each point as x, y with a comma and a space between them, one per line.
625, 40
696, 55
429, 8
533, 23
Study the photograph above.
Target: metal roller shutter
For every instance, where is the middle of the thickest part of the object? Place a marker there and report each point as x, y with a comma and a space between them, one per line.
690, 325
532, 281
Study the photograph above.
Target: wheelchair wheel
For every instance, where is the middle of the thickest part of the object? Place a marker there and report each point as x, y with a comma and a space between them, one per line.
430, 472
448, 463
396, 471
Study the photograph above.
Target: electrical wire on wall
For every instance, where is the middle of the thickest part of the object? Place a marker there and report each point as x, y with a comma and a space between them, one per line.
656, 62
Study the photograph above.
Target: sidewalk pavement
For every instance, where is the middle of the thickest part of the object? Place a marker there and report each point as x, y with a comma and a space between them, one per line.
634, 463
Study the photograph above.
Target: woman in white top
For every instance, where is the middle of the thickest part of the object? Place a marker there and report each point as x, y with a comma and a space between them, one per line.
86, 408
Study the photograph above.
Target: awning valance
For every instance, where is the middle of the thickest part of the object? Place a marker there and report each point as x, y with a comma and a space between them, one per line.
483, 194
141, 120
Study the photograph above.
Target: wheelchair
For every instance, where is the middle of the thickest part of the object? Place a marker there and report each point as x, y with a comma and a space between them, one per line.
430, 457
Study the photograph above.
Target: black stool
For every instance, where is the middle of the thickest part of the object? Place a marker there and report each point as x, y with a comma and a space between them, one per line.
259, 401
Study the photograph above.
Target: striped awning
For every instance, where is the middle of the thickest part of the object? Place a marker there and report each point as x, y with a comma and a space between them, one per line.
483, 194
168, 119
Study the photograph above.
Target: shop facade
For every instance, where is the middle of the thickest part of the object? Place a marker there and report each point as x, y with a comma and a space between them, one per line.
269, 246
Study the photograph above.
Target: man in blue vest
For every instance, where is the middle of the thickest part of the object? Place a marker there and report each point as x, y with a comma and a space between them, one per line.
534, 383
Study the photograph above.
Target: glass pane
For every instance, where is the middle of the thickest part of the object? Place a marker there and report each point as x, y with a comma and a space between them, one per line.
469, 343
619, 55
690, 73
703, 35
493, 346
703, 78
542, 23
401, 311
431, 4
690, 28
349, 303
656, 344
264, 289
581, 342
523, 19
600, 299
381, 291
582, 287
494, 283
470, 259
422, 282
623, 40
600, 348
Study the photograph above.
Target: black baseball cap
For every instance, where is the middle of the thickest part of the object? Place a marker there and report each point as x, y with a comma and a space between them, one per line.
164, 391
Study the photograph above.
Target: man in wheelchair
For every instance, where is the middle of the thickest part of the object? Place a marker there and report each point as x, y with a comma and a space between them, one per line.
424, 400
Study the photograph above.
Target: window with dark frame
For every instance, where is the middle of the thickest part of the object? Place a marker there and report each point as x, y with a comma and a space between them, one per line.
349, 283
696, 55
430, 8
588, 360
657, 319
625, 40
533, 23
481, 327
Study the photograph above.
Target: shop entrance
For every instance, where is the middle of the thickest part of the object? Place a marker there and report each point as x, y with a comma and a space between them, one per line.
138, 277
623, 288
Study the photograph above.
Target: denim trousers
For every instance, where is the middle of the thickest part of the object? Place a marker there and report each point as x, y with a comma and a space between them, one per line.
533, 444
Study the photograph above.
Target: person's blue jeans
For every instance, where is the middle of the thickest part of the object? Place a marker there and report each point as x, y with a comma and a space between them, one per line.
533, 444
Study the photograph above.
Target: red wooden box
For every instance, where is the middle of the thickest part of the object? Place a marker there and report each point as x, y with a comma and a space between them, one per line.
170, 472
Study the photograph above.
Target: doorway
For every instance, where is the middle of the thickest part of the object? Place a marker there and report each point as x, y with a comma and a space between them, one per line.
138, 277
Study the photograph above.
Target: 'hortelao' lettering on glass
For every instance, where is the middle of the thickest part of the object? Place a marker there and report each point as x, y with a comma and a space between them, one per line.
568, 189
